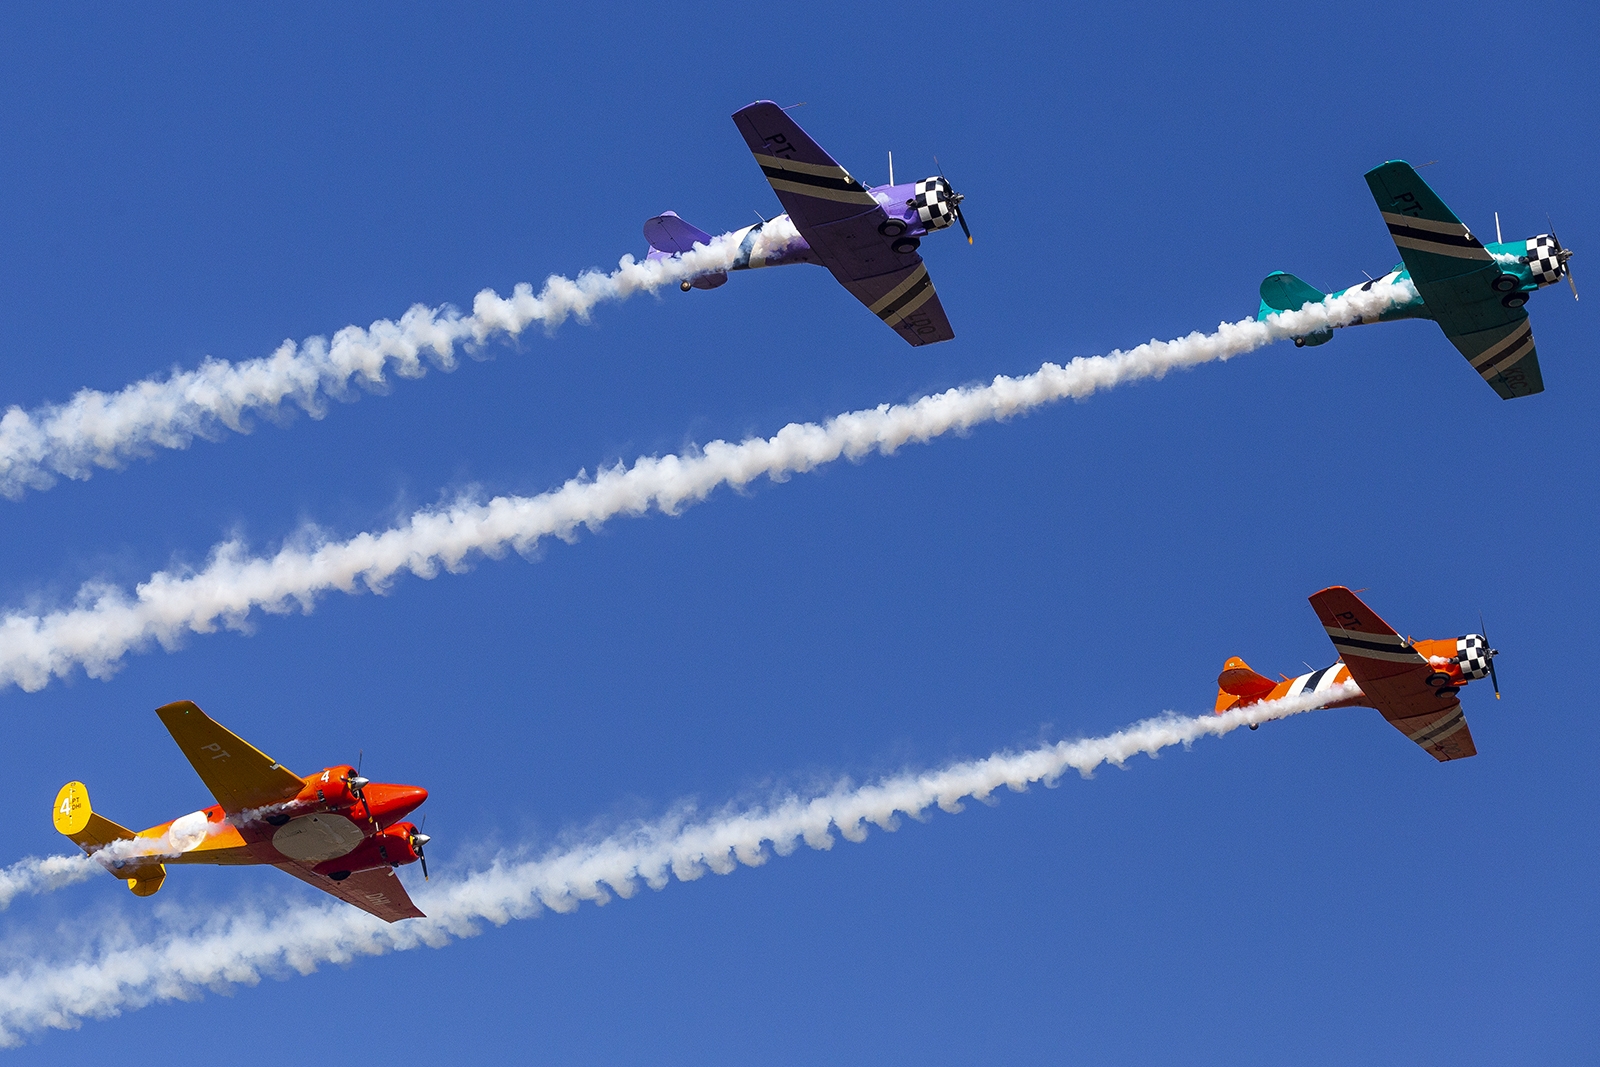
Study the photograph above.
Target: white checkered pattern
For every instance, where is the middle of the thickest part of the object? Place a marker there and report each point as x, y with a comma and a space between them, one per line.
933, 204
1472, 652
1544, 259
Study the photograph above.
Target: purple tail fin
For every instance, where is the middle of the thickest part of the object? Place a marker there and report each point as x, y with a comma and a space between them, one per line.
670, 234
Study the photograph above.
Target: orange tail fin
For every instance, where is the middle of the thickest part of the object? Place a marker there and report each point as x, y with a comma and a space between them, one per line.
1238, 685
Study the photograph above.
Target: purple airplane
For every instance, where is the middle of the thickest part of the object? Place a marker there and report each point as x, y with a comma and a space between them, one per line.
868, 238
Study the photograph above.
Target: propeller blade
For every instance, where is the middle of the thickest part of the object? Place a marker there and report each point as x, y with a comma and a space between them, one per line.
1494, 677
959, 216
418, 839
1571, 282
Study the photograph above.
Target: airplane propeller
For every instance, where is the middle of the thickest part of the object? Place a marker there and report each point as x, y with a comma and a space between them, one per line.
1563, 254
955, 200
418, 839
358, 785
1493, 652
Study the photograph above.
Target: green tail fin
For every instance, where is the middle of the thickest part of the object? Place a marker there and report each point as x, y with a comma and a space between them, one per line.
1285, 292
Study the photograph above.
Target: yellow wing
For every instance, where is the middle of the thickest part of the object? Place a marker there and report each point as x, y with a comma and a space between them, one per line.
238, 774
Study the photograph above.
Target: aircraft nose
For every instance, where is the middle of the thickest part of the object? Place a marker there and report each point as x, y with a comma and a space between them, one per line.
395, 801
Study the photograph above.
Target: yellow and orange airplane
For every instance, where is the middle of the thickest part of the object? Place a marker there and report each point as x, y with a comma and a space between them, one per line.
1414, 684
334, 829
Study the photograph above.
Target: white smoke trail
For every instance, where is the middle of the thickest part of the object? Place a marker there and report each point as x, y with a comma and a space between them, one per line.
45, 874
34, 875
97, 429
121, 975
106, 623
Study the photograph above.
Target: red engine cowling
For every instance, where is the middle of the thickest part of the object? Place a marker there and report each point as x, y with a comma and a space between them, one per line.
390, 847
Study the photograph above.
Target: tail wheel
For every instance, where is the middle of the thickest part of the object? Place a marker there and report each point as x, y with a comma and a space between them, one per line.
1299, 342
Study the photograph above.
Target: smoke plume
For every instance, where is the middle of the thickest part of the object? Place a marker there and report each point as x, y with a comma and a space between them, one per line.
117, 973
106, 622
97, 429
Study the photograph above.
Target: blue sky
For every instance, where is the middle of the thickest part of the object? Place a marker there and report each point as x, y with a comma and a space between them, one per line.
178, 183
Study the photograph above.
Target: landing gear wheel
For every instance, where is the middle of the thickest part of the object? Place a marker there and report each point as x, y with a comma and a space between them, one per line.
1504, 283
906, 245
1438, 680
891, 227
1514, 300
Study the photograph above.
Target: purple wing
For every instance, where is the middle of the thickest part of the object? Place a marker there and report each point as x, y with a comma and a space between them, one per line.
812, 187
906, 301
841, 222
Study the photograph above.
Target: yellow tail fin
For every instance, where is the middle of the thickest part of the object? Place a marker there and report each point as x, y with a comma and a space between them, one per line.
90, 831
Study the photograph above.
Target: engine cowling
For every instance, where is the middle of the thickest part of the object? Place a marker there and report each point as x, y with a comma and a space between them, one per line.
935, 202
393, 846
1546, 259
1473, 654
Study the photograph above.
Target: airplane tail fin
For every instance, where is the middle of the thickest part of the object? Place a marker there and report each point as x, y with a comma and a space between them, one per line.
670, 234
1284, 292
91, 831
1238, 685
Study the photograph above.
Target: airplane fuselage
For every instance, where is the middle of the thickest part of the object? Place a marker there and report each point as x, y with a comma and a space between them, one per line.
327, 825
762, 245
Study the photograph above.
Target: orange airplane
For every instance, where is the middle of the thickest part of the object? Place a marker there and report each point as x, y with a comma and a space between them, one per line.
334, 829
1414, 684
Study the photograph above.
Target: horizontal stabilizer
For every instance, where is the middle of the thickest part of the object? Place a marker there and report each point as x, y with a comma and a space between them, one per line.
670, 234
1284, 292
90, 831
1281, 291
1238, 684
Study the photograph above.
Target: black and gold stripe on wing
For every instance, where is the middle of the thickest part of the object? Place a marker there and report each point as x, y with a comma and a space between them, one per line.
1440, 238
813, 179
904, 298
1504, 353
1440, 729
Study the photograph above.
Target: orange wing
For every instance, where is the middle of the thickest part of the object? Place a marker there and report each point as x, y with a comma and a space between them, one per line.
376, 891
1393, 675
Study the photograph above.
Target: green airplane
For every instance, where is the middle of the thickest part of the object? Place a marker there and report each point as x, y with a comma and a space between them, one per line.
1474, 292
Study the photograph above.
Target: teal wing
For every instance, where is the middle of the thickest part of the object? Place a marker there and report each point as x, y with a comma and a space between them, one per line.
1503, 353
1453, 272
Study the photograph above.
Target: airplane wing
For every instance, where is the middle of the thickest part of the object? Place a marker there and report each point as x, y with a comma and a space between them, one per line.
1453, 271
1393, 675
377, 891
238, 774
839, 219
1503, 353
